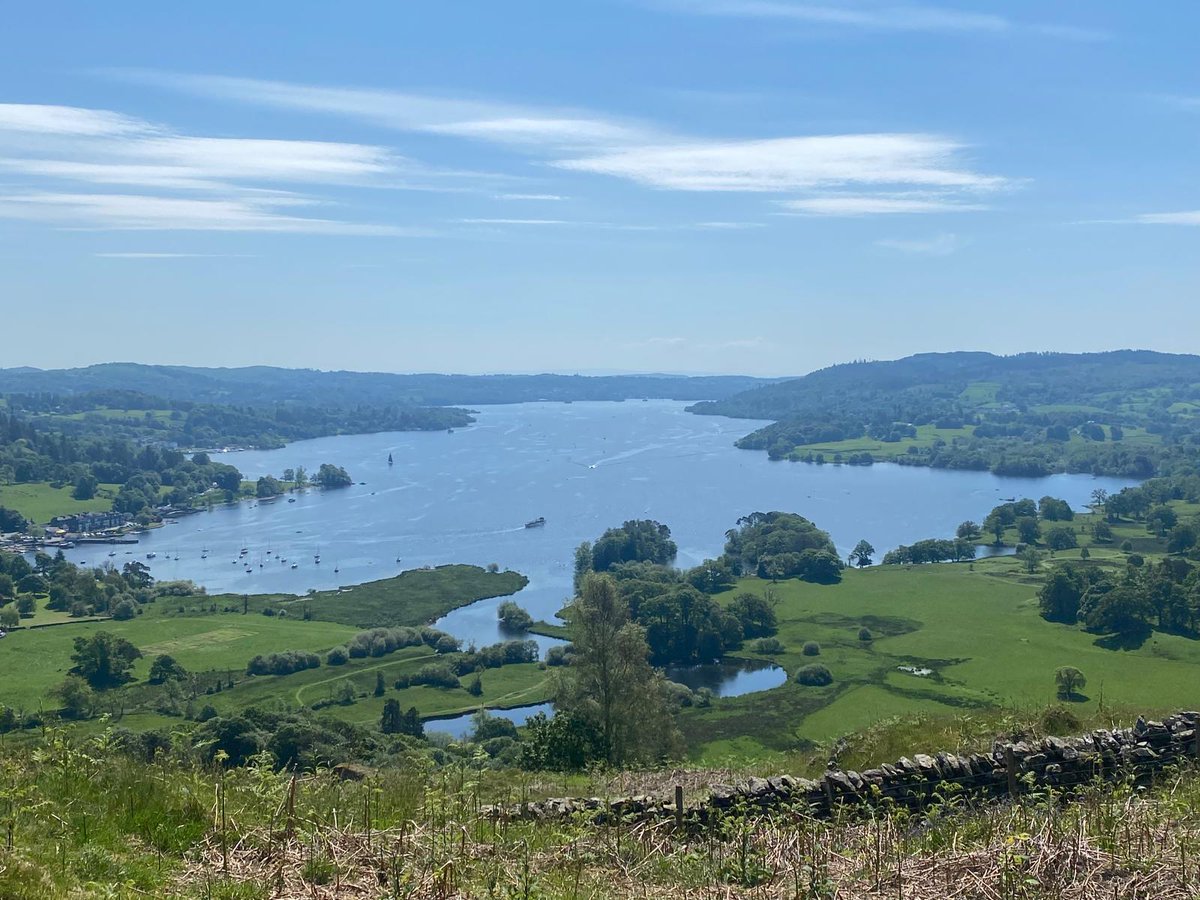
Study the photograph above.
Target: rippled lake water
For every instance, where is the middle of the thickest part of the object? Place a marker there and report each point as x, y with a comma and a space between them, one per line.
466, 496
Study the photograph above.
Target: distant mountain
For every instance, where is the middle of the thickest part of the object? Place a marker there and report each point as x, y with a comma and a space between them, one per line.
260, 385
896, 389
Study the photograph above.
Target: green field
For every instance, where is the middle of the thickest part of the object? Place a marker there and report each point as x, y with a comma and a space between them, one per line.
222, 641
881, 450
929, 435
40, 502
414, 597
976, 626
214, 635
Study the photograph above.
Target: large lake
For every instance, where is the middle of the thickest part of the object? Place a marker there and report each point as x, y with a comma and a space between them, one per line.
465, 497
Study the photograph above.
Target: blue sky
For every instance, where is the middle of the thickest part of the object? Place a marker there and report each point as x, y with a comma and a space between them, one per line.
759, 186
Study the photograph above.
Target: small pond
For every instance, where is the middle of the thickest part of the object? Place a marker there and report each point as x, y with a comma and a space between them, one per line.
731, 677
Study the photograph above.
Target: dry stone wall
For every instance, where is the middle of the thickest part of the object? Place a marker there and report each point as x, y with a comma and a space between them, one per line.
1011, 768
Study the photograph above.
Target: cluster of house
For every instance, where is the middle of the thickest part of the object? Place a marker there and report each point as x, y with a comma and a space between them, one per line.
87, 523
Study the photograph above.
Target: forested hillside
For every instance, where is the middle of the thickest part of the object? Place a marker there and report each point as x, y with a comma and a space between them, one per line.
1127, 412
257, 385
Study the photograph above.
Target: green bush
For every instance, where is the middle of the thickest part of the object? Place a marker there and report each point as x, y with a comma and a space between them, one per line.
811, 648
815, 675
338, 656
864, 634
769, 646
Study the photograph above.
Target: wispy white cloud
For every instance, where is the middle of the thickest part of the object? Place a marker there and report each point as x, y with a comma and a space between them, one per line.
1178, 101
494, 122
858, 15
847, 205
877, 16
728, 226
144, 255
517, 222
938, 245
1183, 217
645, 154
140, 212
786, 164
68, 120
546, 197
231, 182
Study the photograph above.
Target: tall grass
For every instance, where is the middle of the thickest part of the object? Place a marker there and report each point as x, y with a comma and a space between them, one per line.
78, 819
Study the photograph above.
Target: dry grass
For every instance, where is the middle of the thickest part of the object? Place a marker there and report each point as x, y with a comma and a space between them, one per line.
1112, 842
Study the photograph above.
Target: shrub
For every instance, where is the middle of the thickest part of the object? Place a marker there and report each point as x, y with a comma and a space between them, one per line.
1126, 546
815, 675
124, 611
165, 668
864, 634
769, 646
495, 655
437, 674
447, 644
559, 655
486, 727
338, 656
512, 617
284, 663
811, 648
1061, 537
1059, 719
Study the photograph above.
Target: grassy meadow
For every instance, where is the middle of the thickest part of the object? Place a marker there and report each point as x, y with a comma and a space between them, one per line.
40, 502
214, 635
975, 625
929, 435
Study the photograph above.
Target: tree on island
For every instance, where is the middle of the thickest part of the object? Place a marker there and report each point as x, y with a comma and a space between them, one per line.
513, 617
779, 545
331, 476
638, 540
1069, 680
861, 554
268, 486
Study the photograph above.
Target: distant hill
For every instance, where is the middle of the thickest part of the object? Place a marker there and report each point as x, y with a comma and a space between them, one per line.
1125, 412
259, 385
1025, 378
